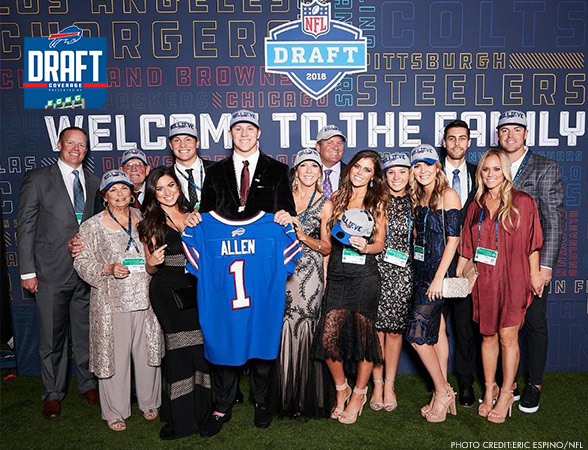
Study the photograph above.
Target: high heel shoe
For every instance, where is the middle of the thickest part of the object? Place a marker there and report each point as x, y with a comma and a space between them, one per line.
336, 412
350, 419
444, 401
390, 406
484, 409
494, 416
376, 406
425, 409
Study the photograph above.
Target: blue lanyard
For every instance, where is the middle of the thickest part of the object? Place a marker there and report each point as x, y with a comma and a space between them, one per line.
480, 228
308, 207
129, 231
425, 228
522, 167
198, 188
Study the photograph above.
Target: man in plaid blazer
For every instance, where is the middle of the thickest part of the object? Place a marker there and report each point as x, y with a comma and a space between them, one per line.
539, 177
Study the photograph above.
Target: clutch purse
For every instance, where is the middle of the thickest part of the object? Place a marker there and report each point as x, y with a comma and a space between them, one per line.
455, 287
186, 297
470, 273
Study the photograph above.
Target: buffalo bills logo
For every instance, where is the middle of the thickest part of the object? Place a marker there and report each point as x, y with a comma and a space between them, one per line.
69, 35
316, 18
238, 232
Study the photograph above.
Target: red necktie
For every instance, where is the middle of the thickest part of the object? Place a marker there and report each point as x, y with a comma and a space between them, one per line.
244, 183
137, 204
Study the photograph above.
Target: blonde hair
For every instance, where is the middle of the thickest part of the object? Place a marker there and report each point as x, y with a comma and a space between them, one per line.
417, 190
505, 190
376, 198
319, 182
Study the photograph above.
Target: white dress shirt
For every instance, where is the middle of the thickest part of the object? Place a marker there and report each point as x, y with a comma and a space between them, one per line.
68, 178
334, 176
238, 163
463, 179
197, 173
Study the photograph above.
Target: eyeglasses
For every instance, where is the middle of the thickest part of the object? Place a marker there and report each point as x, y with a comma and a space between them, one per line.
137, 166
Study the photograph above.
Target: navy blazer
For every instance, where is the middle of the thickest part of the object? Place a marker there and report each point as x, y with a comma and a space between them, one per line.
269, 192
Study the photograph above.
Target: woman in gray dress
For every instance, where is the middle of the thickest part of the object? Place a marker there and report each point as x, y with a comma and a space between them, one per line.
395, 266
123, 327
303, 382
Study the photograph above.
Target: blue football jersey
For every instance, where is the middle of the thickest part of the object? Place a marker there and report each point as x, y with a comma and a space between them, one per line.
242, 268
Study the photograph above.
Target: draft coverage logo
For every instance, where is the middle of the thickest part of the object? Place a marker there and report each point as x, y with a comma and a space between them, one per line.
315, 52
65, 70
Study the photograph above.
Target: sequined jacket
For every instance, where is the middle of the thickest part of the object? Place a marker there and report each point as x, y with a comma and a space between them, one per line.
110, 296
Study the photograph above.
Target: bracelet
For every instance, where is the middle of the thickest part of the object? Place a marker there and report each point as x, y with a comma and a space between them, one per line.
319, 247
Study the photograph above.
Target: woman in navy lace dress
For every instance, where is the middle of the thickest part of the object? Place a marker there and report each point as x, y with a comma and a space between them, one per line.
437, 226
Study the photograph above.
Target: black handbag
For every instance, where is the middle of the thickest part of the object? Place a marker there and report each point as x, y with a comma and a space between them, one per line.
186, 297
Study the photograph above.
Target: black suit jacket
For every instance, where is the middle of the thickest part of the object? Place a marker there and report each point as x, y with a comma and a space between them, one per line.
471, 168
269, 192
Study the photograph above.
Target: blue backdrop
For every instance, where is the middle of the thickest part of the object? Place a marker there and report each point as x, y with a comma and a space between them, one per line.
428, 62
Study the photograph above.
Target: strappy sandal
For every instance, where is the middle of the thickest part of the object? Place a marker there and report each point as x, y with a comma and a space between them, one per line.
425, 409
349, 419
484, 409
376, 406
494, 416
117, 424
390, 406
336, 412
444, 403
150, 414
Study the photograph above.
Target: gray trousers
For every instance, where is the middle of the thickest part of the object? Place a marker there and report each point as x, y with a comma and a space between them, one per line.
61, 311
130, 345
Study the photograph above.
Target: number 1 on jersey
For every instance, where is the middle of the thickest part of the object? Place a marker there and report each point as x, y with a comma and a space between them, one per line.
241, 300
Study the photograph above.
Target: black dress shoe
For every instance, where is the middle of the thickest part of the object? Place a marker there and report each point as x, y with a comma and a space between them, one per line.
214, 424
263, 417
239, 397
466, 395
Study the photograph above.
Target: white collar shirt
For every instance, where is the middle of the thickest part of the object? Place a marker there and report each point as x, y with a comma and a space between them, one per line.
335, 175
238, 163
464, 181
68, 178
197, 173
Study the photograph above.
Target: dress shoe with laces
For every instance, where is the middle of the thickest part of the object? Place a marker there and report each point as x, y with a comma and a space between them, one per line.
91, 395
214, 424
52, 409
263, 417
530, 399
467, 396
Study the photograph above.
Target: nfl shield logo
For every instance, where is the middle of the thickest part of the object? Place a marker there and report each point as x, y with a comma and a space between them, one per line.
316, 18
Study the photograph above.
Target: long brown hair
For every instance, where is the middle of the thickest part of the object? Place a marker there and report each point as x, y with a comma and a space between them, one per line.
376, 197
505, 190
153, 223
417, 190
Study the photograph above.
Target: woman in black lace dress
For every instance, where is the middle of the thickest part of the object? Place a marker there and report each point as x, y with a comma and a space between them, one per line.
395, 266
347, 335
302, 381
186, 390
437, 222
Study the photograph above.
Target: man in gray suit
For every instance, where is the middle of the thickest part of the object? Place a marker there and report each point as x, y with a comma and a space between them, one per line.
54, 200
541, 179
330, 143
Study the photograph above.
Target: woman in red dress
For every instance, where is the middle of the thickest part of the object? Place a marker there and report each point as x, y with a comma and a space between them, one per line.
503, 234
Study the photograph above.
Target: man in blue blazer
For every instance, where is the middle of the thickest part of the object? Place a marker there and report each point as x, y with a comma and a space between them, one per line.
54, 200
539, 177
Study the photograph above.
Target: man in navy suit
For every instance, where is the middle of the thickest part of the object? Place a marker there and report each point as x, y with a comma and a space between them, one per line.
462, 177
330, 143
539, 177
54, 200
239, 186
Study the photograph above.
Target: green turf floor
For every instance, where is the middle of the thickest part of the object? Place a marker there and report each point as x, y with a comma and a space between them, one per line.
561, 421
